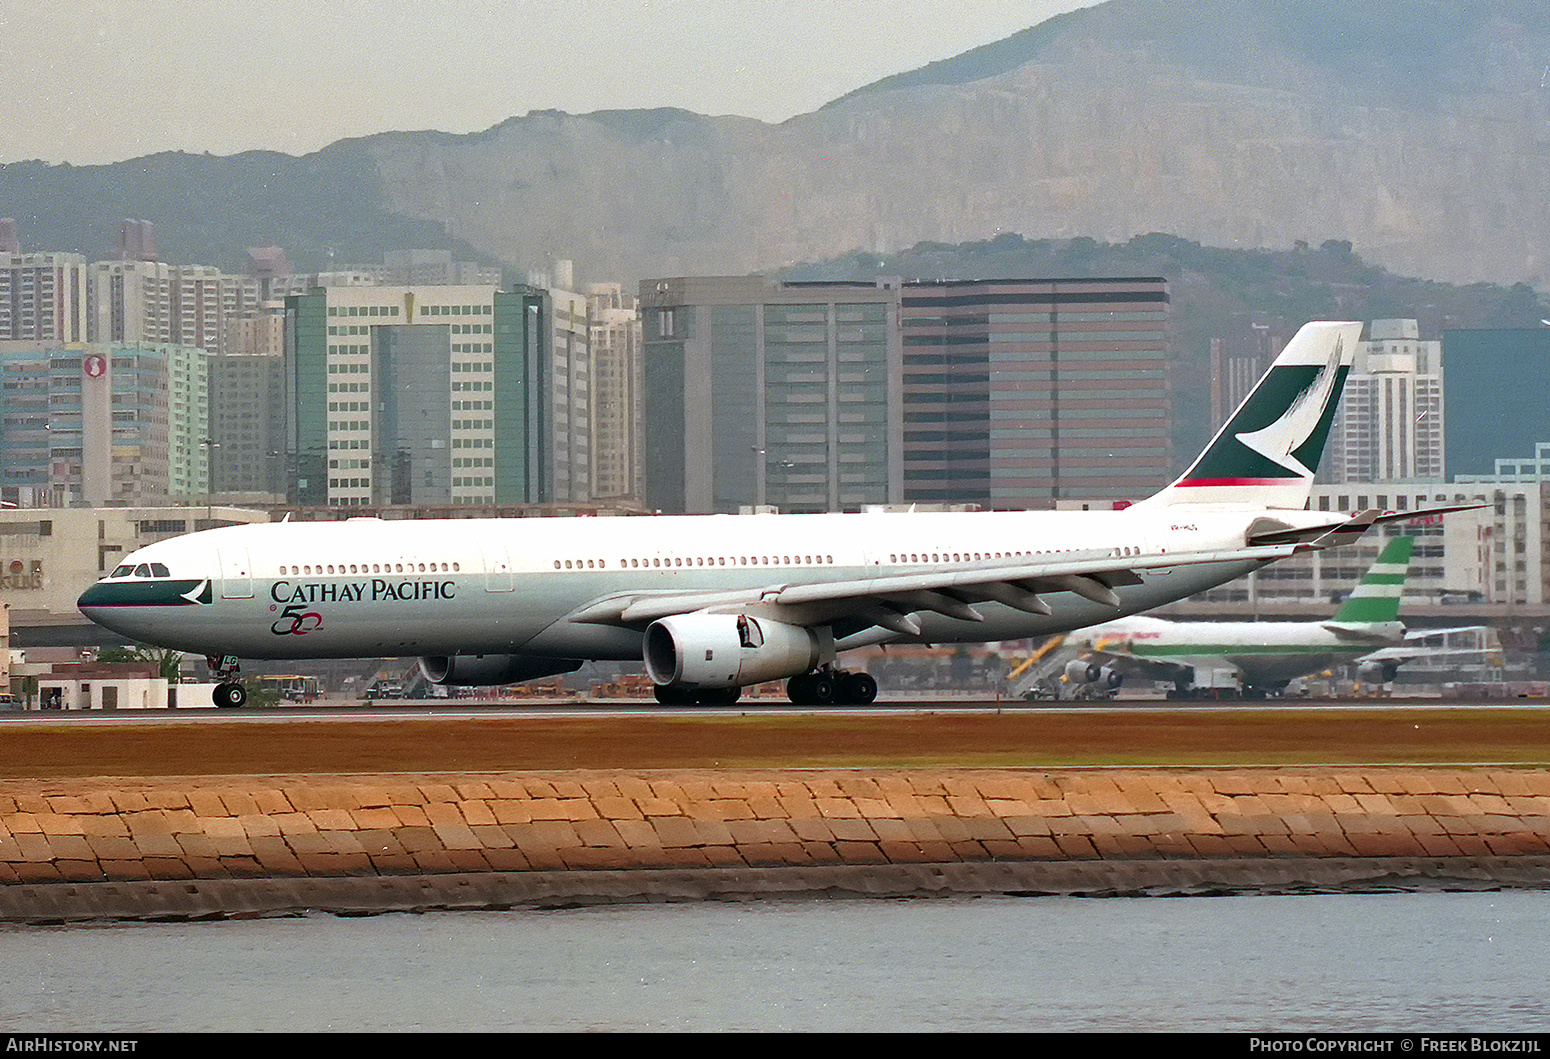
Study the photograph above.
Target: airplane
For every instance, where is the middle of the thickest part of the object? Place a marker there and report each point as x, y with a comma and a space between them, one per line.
715, 603
1253, 658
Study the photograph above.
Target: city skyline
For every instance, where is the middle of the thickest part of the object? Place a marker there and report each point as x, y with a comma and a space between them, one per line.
295, 78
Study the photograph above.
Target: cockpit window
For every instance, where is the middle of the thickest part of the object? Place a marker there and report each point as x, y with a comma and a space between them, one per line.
143, 570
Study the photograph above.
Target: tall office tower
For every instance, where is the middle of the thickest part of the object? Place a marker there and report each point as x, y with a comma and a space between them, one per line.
1389, 426
614, 327
418, 395
136, 240
247, 406
1240, 356
97, 424
1495, 407
760, 392
8, 241
1024, 393
43, 298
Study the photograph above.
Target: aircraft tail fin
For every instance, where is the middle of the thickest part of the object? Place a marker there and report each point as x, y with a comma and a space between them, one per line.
1269, 450
1376, 598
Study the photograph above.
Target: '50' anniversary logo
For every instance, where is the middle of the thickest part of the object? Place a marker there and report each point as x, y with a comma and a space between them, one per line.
296, 620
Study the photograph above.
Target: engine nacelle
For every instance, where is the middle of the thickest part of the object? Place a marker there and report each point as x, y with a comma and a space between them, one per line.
1079, 672
477, 671
1377, 672
727, 650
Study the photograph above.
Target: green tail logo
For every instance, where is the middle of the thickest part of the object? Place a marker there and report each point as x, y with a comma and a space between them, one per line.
1376, 599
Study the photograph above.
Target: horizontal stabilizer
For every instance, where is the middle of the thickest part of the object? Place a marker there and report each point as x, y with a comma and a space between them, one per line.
1268, 532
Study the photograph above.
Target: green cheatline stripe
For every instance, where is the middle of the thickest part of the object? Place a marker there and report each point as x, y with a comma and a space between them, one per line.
1239, 649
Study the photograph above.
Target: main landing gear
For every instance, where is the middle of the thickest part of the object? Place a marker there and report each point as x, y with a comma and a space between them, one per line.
683, 695
832, 687
229, 692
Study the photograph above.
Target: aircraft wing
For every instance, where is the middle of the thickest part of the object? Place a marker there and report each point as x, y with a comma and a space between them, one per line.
952, 589
1115, 655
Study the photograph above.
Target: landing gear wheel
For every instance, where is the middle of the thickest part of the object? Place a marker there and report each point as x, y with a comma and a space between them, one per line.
230, 695
858, 689
672, 694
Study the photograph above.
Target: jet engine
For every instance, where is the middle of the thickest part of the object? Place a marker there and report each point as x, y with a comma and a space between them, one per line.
472, 671
727, 650
1377, 672
1079, 672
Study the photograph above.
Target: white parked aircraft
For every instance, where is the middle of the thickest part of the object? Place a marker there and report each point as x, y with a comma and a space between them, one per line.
1259, 657
714, 603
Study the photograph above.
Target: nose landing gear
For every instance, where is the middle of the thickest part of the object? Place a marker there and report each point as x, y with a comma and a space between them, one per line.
229, 692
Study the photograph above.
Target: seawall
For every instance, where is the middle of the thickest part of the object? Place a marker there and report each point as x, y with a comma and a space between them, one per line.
214, 846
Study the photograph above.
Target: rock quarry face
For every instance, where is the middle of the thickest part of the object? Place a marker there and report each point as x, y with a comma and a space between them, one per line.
1219, 122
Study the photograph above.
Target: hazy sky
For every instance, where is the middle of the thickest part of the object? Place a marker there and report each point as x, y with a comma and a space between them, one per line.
103, 80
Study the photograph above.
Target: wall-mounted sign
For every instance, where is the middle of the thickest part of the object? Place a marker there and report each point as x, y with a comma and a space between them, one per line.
18, 574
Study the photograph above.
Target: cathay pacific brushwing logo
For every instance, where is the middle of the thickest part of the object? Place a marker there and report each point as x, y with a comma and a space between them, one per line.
1280, 441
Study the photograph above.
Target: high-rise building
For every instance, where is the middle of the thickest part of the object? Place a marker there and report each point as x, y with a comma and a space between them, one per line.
154, 302
1495, 403
766, 393
96, 423
247, 406
616, 410
43, 298
1389, 426
1240, 356
419, 395
1024, 393
136, 240
833, 396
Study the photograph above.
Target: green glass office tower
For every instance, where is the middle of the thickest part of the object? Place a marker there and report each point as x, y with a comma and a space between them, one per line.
415, 395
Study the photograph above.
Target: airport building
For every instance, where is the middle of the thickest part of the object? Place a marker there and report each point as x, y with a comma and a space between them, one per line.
48, 557
1492, 560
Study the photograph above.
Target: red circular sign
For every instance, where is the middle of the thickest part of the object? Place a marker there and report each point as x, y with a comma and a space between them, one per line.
94, 366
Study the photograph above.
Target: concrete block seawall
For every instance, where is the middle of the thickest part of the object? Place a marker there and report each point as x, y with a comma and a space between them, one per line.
223, 845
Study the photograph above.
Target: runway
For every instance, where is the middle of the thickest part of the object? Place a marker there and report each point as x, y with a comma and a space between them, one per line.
546, 735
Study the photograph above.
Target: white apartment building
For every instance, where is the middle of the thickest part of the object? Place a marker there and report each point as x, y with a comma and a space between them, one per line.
1389, 426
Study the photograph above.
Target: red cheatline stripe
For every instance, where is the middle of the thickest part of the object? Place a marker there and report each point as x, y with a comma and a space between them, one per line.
1236, 481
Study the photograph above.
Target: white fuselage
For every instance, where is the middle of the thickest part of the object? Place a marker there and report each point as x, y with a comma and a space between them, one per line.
1266, 653
368, 587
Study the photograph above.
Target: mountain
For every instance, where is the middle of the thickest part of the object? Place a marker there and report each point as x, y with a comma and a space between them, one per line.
1416, 130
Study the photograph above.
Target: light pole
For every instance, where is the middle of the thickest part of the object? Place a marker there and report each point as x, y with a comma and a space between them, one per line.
210, 445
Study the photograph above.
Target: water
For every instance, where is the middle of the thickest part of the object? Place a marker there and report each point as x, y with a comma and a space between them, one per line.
1325, 963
